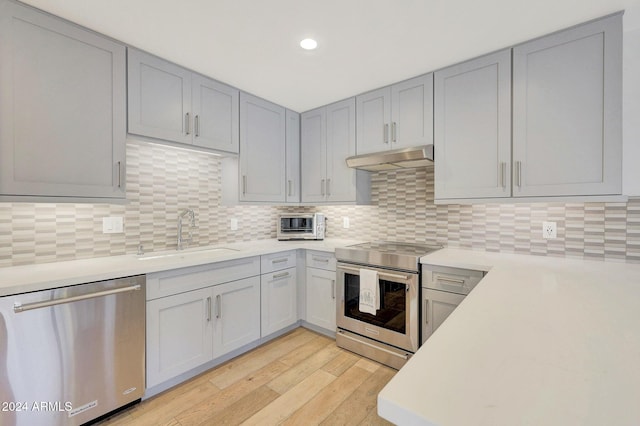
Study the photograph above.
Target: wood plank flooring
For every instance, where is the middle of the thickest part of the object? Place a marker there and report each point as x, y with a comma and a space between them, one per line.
301, 378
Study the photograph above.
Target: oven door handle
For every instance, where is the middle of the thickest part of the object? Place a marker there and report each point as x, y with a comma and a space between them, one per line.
380, 274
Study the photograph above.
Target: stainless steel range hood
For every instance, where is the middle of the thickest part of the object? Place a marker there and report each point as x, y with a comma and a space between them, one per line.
404, 158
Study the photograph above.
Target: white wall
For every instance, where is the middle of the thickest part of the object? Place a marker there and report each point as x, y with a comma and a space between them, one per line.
631, 103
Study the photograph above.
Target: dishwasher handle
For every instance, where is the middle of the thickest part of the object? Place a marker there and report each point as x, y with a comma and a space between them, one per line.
19, 307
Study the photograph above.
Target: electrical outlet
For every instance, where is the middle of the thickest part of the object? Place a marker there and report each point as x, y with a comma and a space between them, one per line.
234, 224
112, 225
345, 222
549, 230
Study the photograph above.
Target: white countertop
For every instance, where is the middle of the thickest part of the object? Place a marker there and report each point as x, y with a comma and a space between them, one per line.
539, 341
22, 279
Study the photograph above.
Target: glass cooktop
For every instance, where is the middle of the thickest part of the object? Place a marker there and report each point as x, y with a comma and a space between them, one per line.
386, 254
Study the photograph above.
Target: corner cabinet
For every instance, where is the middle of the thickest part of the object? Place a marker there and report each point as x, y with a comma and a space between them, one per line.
567, 121
62, 109
473, 128
171, 103
328, 137
396, 116
263, 172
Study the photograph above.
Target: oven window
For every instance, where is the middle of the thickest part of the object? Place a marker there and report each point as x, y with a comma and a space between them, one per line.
393, 304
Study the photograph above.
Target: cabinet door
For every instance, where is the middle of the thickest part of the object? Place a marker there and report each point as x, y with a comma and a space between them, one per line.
373, 121
293, 157
159, 98
341, 143
216, 113
279, 300
262, 150
62, 109
473, 128
436, 307
313, 158
412, 112
236, 315
321, 298
179, 334
567, 112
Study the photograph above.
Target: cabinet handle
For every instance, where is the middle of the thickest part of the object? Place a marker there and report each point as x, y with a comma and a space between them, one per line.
328, 187
244, 184
187, 124
320, 259
503, 174
281, 260
218, 306
290, 191
426, 311
333, 289
196, 125
322, 187
393, 132
386, 133
518, 173
281, 275
119, 174
209, 308
450, 280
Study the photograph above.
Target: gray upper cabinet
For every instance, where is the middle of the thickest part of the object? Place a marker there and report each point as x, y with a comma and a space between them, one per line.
215, 114
262, 150
473, 128
328, 138
62, 109
567, 104
396, 116
171, 103
293, 157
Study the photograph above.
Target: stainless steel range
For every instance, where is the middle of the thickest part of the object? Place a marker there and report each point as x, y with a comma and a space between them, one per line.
378, 300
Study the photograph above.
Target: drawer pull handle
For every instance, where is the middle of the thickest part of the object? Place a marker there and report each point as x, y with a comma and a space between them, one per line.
281, 260
320, 259
450, 280
281, 275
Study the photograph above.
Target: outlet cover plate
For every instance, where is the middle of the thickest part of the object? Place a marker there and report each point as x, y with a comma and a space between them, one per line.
549, 230
345, 222
112, 225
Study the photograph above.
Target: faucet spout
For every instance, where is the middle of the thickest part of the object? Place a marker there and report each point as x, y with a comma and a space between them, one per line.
190, 214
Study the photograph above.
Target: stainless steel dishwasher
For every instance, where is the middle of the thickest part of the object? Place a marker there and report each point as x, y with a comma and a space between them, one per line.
72, 354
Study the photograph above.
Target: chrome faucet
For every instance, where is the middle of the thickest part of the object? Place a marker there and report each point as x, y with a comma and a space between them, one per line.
188, 213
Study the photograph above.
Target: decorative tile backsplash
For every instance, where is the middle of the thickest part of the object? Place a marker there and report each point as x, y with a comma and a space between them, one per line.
162, 181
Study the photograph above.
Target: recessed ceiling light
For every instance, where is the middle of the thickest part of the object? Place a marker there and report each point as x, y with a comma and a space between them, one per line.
308, 44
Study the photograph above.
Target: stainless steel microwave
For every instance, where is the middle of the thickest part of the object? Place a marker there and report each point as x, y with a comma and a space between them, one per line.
301, 226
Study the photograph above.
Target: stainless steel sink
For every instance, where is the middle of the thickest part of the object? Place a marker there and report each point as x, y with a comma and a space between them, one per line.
183, 254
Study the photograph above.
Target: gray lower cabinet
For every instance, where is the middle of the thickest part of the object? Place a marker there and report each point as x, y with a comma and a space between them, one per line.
171, 103
472, 128
321, 290
279, 300
328, 137
396, 116
567, 101
436, 307
198, 314
62, 109
262, 150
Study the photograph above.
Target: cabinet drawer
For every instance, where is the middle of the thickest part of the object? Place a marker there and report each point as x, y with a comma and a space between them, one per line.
277, 261
321, 260
166, 283
453, 280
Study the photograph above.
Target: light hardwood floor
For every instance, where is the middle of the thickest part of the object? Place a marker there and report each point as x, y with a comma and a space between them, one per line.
301, 378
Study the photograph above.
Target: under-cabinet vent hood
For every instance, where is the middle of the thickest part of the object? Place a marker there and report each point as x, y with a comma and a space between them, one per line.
404, 158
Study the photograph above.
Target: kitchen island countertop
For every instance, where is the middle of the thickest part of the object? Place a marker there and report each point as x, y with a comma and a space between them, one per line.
44, 276
539, 341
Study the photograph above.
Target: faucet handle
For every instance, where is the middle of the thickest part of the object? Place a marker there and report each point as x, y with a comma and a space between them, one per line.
140, 250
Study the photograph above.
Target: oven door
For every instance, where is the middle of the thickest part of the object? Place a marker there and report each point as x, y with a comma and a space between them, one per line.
396, 322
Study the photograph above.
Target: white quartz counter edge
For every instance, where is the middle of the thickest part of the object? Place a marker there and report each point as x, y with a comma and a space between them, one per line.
538, 341
27, 278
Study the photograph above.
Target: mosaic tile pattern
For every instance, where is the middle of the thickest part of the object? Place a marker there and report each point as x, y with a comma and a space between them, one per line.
162, 181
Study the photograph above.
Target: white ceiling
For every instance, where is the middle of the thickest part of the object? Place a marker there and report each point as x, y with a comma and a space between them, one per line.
363, 44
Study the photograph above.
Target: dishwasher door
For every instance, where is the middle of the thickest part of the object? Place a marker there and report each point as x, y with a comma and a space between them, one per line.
72, 354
